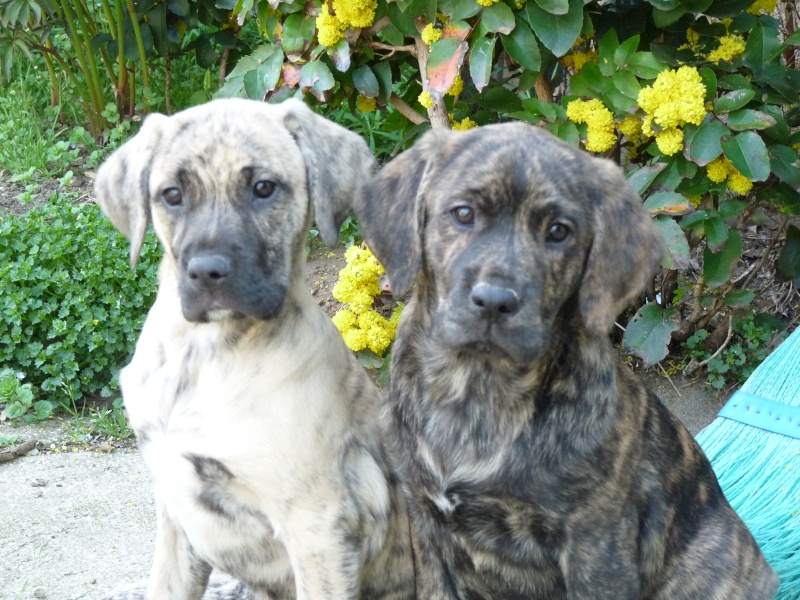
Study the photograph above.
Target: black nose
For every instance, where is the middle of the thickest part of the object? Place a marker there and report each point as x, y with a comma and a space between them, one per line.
494, 301
209, 270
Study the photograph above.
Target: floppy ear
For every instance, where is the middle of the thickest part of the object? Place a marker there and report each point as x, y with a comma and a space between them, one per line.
626, 250
391, 209
338, 162
121, 186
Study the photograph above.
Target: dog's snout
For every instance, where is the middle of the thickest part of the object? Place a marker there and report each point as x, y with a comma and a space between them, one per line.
494, 301
208, 269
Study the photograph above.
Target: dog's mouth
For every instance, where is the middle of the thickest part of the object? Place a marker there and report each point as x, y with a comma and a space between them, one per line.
490, 341
264, 302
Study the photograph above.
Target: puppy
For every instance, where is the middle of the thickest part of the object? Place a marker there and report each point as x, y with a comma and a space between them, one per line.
257, 424
534, 463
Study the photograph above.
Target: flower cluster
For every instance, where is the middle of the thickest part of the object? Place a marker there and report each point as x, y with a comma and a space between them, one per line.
463, 124
765, 6
457, 87
430, 34
600, 134
720, 169
425, 99
486, 2
730, 47
675, 99
359, 282
365, 104
347, 13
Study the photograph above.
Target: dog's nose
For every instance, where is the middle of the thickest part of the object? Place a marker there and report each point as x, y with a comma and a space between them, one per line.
208, 269
494, 301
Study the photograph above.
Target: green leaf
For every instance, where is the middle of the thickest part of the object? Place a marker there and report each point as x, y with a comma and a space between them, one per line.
732, 208
557, 32
540, 108
705, 145
457, 29
499, 99
626, 83
664, 18
444, 63
480, 61
716, 232
522, 47
748, 153
607, 47
340, 55
589, 82
645, 65
404, 20
365, 81
554, 7
459, 9
649, 332
641, 179
625, 51
316, 77
749, 119
788, 264
733, 100
785, 163
298, 30
383, 71
678, 253
665, 4
739, 298
667, 203
718, 266
709, 79
178, 7
735, 82
498, 18
786, 199
722, 9
762, 46
780, 132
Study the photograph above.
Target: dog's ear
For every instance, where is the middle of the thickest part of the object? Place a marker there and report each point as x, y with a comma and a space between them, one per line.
121, 186
338, 162
391, 209
627, 248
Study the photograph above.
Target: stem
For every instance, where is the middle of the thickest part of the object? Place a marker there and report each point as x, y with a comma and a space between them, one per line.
406, 110
438, 112
122, 80
168, 82
139, 43
55, 91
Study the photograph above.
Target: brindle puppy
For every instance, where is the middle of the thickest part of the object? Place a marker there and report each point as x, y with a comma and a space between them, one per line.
257, 424
536, 465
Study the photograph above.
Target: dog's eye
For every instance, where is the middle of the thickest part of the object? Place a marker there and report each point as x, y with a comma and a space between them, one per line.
263, 189
172, 196
558, 232
464, 215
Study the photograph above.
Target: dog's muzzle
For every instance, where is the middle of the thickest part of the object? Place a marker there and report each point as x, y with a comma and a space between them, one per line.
493, 302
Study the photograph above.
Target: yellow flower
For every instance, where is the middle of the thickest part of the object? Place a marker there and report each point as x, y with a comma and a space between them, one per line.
695, 200
670, 141
457, 87
463, 125
344, 319
693, 37
738, 183
717, 169
632, 127
600, 134
674, 99
765, 6
486, 2
730, 47
581, 58
425, 99
430, 34
357, 13
329, 28
355, 339
365, 104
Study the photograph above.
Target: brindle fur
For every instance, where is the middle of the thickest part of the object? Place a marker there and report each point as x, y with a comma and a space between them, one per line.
257, 424
535, 464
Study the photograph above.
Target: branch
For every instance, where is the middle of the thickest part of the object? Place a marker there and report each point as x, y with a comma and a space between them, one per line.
438, 112
694, 366
392, 49
16, 451
406, 110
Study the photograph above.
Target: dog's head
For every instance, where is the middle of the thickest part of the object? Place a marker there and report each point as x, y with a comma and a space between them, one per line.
230, 187
512, 229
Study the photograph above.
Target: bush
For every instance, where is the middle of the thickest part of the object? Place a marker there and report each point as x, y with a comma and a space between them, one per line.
70, 306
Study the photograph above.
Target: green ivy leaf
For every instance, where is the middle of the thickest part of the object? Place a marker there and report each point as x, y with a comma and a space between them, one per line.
718, 266
522, 47
557, 32
649, 333
748, 153
480, 61
788, 265
678, 252
733, 100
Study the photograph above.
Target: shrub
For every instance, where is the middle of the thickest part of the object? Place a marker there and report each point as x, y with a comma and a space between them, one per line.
70, 306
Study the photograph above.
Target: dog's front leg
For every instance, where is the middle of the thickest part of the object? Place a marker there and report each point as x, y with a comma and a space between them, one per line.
600, 567
177, 573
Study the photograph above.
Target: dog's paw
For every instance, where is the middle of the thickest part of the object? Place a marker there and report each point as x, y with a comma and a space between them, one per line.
220, 587
128, 591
